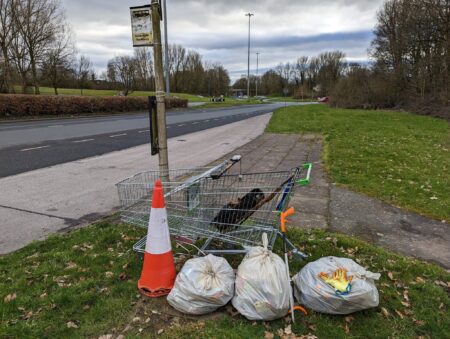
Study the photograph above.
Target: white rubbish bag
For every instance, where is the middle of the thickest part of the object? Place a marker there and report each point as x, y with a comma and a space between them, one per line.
203, 285
317, 295
262, 285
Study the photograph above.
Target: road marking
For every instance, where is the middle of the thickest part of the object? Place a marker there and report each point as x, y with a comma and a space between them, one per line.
145, 130
195, 123
84, 140
216, 119
55, 126
117, 135
33, 148
205, 120
181, 125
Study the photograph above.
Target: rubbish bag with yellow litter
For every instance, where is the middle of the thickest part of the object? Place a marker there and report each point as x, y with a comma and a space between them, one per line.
262, 285
203, 285
336, 286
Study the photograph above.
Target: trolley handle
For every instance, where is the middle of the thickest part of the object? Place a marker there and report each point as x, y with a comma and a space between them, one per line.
217, 174
307, 180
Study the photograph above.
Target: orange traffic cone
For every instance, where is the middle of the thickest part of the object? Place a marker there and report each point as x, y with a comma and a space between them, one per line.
158, 272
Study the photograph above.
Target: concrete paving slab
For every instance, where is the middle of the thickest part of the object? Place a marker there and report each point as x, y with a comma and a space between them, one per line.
36, 203
390, 227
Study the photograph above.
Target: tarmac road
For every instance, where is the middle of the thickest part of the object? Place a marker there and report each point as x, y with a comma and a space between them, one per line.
30, 145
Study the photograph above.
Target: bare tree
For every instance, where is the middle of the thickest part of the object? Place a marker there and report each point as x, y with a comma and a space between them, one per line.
412, 42
59, 57
124, 68
7, 31
37, 22
177, 64
83, 69
144, 68
21, 60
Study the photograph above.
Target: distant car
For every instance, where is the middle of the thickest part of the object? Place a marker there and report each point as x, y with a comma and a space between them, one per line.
323, 100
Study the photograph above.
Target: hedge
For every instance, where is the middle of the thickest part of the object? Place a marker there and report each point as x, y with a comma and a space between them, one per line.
17, 105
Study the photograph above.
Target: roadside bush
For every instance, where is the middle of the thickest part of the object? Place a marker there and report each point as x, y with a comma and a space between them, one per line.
367, 89
16, 105
363, 88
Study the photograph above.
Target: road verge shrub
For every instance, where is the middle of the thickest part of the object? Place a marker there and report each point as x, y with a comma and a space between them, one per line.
13, 105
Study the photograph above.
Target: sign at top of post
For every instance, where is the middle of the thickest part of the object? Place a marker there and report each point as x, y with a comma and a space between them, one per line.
141, 26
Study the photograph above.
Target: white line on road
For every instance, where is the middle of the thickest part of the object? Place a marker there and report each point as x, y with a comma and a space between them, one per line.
55, 126
84, 140
205, 120
117, 135
145, 130
180, 125
33, 148
216, 119
195, 123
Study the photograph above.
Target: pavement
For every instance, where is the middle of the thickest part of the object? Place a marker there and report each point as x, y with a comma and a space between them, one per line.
327, 206
48, 200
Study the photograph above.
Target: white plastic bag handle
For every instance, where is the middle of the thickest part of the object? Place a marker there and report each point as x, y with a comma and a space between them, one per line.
265, 240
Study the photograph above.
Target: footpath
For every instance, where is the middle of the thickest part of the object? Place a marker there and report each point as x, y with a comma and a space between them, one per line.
324, 205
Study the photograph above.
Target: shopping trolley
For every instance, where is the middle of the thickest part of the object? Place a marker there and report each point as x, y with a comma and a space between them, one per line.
222, 214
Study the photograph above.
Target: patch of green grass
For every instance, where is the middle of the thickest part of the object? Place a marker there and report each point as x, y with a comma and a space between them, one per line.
73, 278
230, 102
425, 314
66, 279
112, 92
290, 99
400, 158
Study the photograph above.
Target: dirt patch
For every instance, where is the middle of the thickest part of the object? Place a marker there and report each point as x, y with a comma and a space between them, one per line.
156, 316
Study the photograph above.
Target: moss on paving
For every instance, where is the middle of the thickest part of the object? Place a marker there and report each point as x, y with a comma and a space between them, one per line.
83, 284
400, 158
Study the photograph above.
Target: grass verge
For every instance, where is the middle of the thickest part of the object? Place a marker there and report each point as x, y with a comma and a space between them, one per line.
400, 158
290, 99
230, 102
83, 284
112, 92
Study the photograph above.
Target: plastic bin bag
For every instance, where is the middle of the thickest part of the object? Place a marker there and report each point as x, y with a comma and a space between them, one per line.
262, 285
317, 295
203, 285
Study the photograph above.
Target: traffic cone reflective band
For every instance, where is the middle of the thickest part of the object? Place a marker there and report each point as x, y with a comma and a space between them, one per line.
158, 272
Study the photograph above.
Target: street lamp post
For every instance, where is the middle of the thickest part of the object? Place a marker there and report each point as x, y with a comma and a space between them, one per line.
248, 57
257, 78
166, 46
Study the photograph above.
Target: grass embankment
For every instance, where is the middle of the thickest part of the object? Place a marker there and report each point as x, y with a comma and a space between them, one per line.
83, 284
400, 158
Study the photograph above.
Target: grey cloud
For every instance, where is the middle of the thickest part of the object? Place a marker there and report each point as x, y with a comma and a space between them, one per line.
282, 30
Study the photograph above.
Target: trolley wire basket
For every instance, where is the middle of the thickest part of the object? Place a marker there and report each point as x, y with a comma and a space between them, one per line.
225, 213
135, 192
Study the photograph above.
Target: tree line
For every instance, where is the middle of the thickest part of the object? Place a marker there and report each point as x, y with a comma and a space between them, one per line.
188, 73
38, 48
411, 53
307, 77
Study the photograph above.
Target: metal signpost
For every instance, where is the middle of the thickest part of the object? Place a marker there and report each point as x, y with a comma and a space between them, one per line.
146, 31
248, 56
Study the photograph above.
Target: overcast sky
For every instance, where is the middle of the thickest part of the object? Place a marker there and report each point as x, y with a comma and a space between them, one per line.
281, 30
